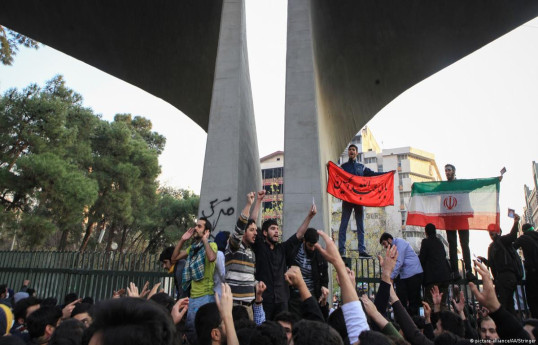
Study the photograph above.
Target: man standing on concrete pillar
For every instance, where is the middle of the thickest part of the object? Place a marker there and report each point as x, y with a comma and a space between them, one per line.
352, 166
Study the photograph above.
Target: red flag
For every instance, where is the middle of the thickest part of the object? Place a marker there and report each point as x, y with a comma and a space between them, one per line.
374, 191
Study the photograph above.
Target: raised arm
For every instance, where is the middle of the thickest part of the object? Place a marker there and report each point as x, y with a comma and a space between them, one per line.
256, 209
353, 313
209, 252
237, 236
302, 229
179, 254
512, 236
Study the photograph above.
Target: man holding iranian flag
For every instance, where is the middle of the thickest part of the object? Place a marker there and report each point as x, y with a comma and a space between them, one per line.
456, 206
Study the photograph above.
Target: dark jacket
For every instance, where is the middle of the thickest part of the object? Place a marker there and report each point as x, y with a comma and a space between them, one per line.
271, 265
356, 168
433, 260
320, 270
499, 258
528, 242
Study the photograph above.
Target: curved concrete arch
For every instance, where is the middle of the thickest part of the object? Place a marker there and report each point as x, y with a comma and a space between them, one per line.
167, 48
346, 60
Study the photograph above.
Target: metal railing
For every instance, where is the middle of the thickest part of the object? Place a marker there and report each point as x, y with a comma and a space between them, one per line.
93, 274
368, 277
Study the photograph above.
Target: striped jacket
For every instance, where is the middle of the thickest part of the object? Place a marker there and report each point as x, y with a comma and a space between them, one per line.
240, 264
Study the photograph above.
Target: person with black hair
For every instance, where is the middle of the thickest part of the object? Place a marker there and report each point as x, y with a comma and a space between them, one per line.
505, 265
199, 269
315, 272
84, 313
4, 295
221, 239
214, 321
449, 321
487, 330
22, 309
287, 320
162, 298
528, 242
69, 332
375, 338
432, 258
272, 258
508, 326
307, 332
353, 166
42, 323
130, 321
240, 258
407, 273
269, 333
175, 268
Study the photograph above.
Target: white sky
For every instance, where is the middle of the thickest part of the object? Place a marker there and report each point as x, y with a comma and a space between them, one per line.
479, 114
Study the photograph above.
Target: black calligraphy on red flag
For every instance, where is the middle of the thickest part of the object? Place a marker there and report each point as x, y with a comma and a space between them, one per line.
372, 191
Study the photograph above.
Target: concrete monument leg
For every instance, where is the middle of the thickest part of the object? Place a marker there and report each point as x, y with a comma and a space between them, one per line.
232, 165
304, 171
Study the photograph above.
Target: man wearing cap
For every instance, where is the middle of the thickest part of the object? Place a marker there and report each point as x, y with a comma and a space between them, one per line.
528, 242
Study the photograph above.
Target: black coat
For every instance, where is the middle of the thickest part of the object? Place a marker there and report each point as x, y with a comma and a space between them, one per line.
320, 270
433, 260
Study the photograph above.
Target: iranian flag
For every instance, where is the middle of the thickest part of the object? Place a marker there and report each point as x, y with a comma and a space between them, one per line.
456, 205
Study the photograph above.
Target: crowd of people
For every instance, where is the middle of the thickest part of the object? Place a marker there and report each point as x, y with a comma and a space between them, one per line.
252, 287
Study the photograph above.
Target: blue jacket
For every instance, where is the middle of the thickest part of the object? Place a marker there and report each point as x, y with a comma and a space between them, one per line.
408, 263
356, 168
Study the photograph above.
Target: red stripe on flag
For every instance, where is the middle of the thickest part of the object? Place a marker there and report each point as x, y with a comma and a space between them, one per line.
476, 222
373, 191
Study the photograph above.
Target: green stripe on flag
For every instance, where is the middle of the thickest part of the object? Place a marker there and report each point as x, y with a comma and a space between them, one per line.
482, 185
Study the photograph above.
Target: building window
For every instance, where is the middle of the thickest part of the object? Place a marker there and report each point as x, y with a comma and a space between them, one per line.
272, 173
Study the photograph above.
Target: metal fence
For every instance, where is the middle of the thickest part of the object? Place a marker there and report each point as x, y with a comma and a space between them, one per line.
93, 274
368, 277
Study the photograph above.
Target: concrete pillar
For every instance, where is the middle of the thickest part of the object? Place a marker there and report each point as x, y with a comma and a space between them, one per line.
232, 165
304, 171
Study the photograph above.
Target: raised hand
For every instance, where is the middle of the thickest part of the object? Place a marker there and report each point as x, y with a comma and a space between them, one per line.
388, 263
487, 296
154, 290
331, 253
188, 234
132, 290
369, 307
250, 198
225, 301
324, 295
205, 238
261, 194
118, 293
427, 312
313, 211
459, 306
145, 290
179, 309
436, 297
293, 276
68, 309
260, 288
